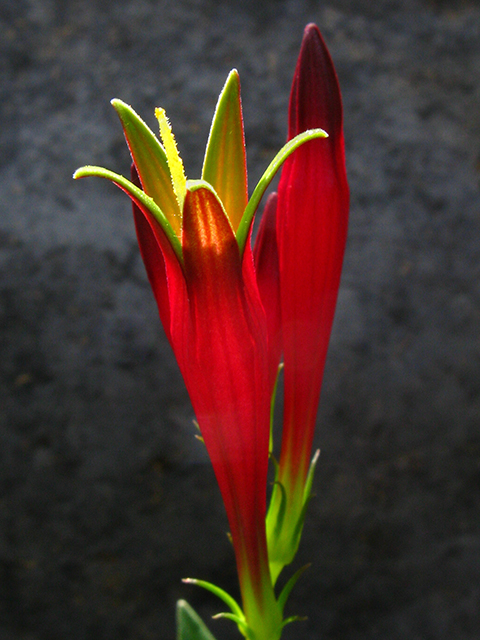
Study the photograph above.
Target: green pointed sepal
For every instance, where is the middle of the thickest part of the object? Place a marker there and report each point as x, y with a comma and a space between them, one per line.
151, 163
307, 496
293, 619
287, 589
284, 536
225, 163
139, 197
189, 624
267, 177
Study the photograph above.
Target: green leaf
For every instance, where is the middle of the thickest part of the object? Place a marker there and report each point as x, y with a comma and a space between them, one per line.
282, 508
138, 196
307, 496
189, 624
268, 176
311, 472
240, 622
220, 593
151, 162
293, 619
283, 597
225, 165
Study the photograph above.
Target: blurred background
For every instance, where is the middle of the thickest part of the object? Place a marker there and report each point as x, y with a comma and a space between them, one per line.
106, 498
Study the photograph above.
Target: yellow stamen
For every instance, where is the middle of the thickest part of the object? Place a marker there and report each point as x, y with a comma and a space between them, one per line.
175, 163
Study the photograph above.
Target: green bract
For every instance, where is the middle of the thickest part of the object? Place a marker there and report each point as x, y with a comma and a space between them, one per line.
189, 624
284, 535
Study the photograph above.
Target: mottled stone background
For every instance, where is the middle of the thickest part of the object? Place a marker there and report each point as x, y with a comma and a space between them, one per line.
106, 499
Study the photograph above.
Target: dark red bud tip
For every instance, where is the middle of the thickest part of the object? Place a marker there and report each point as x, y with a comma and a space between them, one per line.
311, 26
315, 98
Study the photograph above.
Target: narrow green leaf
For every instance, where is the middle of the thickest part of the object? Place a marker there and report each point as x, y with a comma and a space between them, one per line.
268, 176
225, 165
220, 593
281, 510
240, 622
138, 196
276, 469
297, 532
307, 496
189, 624
151, 162
311, 472
283, 597
294, 619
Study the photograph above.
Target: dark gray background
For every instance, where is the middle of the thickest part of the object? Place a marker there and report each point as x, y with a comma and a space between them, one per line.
106, 498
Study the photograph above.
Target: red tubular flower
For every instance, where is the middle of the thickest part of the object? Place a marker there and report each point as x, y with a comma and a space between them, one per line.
218, 333
312, 216
194, 237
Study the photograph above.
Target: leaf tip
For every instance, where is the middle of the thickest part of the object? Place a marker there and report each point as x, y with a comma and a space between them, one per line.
82, 172
122, 108
234, 75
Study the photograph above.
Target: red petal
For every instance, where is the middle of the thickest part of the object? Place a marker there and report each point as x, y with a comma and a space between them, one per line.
215, 323
163, 269
312, 219
226, 374
267, 268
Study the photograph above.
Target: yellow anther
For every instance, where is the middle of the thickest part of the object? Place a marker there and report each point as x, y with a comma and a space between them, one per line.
175, 163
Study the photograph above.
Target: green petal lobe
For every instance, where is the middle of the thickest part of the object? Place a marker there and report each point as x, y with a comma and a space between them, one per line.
268, 176
138, 196
151, 162
225, 166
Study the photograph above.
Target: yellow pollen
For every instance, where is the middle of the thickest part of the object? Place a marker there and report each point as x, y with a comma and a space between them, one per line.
175, 163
